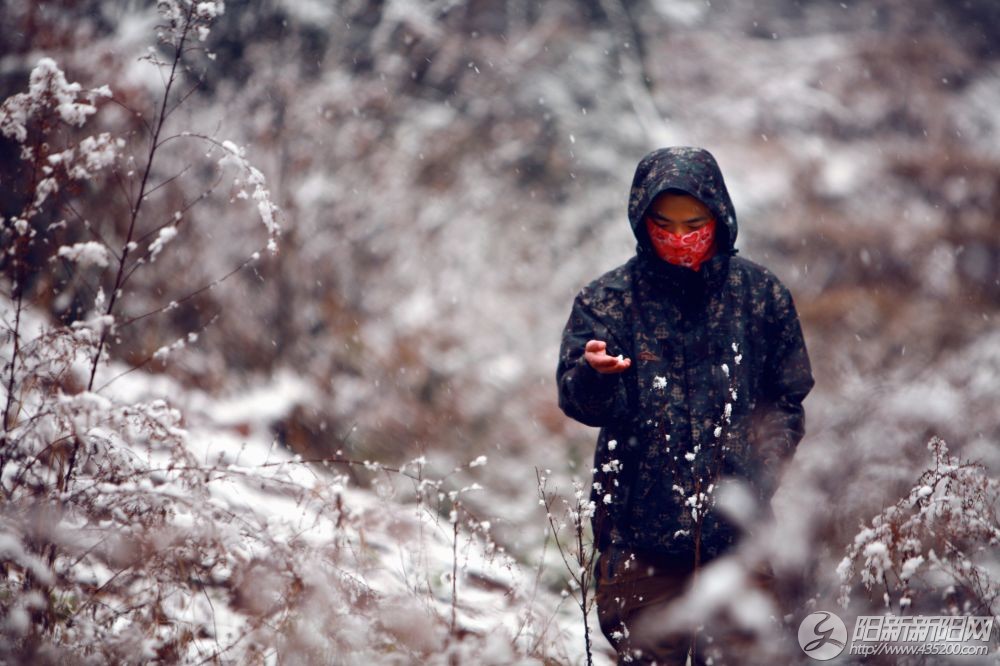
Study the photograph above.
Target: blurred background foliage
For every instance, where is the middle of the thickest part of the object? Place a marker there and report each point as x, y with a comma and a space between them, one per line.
452, 172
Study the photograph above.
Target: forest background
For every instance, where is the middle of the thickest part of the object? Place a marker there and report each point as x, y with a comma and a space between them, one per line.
446, 175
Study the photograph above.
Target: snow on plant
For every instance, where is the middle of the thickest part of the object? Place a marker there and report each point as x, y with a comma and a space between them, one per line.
184, 18
35, 119
89, 253
118, 543
236, 156
28, 119
941, 538
578, 558
108, 526
165, 235
92, 493
48, 93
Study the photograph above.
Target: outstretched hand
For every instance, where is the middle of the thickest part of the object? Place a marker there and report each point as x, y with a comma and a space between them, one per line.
596, 353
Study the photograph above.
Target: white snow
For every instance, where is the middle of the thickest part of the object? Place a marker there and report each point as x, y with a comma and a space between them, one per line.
89, 253
166, 235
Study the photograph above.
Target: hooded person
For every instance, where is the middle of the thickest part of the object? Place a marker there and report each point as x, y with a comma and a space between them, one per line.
692, 363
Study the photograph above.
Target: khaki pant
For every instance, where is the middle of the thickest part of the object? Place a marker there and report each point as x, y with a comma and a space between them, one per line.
630, 588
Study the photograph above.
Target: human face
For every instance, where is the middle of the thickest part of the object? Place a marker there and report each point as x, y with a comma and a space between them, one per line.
678, 213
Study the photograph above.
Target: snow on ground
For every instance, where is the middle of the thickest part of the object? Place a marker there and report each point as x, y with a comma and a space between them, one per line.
400, 551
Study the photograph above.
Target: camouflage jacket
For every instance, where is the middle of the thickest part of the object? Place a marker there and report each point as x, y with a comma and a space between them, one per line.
715, 389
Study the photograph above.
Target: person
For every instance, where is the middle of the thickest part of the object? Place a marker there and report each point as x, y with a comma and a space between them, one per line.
692, 363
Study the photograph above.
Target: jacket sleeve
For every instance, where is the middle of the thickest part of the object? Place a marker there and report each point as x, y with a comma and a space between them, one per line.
586, 395
787, 380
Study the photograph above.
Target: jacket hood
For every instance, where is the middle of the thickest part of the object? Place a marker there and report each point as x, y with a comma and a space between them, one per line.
694, 171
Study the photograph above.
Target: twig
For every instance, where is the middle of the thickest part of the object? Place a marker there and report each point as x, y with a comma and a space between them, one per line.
140, 198
454, 571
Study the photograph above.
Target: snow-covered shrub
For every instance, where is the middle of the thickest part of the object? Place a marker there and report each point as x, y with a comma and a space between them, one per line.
109, 531
122, 540
153, 552
935, 549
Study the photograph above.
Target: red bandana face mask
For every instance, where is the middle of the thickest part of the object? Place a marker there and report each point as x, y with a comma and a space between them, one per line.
690, 249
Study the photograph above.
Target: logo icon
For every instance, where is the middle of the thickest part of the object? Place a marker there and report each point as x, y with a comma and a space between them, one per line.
822, 635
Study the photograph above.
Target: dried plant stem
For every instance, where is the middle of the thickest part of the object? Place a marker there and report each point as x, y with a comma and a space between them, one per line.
585, 583
454, 573
141, 197
581, 574
133, 218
